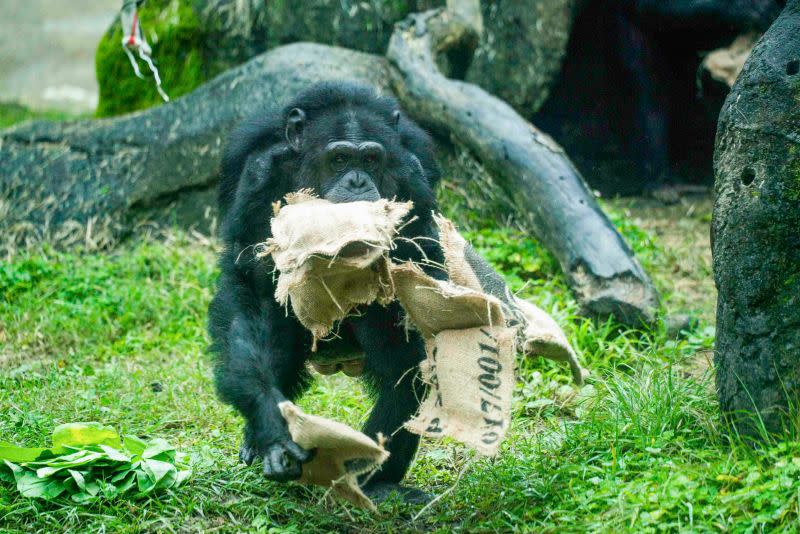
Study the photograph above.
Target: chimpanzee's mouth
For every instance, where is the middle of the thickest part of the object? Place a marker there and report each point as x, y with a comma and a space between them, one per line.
354, 250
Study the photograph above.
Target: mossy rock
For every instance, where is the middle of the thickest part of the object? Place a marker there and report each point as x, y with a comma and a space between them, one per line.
173, 29
754, 237
194, 40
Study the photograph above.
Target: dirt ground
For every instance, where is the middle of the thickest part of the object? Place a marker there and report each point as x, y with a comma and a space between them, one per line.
47, 51
682, 230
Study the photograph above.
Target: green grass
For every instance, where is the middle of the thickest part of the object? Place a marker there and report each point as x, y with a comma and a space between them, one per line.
11, 113
86, 335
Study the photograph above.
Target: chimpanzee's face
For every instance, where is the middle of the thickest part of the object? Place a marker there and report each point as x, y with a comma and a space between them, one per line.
347, 155
352, 171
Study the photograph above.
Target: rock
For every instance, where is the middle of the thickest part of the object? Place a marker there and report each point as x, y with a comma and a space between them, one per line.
756, 234
360, 25
518, 58
521, 50
194, 40
57, 178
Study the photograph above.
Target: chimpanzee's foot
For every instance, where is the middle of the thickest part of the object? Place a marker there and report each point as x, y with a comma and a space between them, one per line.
381, 491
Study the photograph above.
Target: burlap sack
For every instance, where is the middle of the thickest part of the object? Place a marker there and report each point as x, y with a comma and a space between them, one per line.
725, 64
332, 257
342, 454
434, 305
469, 366
472, 325
537, 333
470, 373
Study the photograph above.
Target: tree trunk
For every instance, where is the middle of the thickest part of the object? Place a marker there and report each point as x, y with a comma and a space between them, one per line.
528, 164
756, 235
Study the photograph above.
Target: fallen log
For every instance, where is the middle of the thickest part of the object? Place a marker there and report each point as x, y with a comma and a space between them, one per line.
534, 170
92, 180
89, 181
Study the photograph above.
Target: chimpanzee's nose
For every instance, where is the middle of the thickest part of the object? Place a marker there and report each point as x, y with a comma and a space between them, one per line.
356, 181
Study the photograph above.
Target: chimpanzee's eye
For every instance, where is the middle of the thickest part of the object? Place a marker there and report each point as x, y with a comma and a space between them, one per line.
340, 161
370, 160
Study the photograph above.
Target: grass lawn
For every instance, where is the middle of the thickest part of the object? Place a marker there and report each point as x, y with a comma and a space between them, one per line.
119, 337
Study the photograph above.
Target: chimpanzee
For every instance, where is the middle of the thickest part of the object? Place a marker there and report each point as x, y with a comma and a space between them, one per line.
346, 143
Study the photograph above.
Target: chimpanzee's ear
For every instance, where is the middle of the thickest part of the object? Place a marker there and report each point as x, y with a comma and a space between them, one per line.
295, 125
396, 119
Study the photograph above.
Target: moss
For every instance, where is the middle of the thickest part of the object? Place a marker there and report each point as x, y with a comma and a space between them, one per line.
793, 190
177, 38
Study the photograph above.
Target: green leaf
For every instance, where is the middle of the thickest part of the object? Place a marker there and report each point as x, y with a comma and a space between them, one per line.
159, 449
5, 474
135, 445
12, 453
183, 474
64, 462
30, 485
79, 479
116, 455
13, 467
80, 434
63, 459
125, 482
88, 461
162, 474
82, 497
144, 482
92, 488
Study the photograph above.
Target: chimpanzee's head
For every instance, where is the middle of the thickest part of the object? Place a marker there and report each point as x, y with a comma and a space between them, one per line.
341, 140
353, 145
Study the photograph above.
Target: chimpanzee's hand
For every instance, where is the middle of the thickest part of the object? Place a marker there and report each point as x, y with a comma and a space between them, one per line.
282, 461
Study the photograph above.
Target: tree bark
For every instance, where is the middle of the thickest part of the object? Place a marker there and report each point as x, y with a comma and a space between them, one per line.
528, 164
756, 236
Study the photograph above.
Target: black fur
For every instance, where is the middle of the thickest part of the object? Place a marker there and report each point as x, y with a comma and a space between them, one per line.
261, 352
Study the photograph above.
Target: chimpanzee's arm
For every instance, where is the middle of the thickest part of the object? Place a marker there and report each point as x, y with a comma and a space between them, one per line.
259, 364
260, 358
261, 183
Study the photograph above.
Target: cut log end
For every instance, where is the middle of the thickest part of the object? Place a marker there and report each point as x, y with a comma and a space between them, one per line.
625, 298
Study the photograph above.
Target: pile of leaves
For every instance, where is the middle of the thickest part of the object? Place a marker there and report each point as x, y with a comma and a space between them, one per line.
89, 461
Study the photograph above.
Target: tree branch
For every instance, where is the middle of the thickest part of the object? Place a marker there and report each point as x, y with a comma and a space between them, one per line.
529, 165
